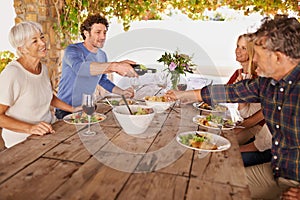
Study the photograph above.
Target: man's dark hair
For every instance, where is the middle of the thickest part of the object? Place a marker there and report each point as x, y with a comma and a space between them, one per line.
90, 21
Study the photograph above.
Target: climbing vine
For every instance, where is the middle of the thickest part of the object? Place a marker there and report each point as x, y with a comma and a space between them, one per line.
72, 12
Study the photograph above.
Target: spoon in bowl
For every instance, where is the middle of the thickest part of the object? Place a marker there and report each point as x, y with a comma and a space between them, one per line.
126, 103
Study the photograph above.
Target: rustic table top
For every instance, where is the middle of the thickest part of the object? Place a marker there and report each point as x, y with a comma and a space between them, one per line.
114, 165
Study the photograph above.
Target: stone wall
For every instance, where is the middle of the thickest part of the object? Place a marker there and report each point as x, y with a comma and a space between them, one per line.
43, 12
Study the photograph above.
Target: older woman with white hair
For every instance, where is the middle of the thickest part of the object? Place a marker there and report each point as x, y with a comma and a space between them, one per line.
26, 92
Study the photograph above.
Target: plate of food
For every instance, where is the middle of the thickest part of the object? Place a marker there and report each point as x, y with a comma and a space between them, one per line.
207, 108
203, 141
80, 118
213, 122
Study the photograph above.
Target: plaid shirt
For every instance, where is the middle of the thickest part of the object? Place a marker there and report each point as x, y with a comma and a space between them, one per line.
281, 107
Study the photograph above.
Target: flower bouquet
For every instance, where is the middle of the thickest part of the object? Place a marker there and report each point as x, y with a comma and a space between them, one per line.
177, 64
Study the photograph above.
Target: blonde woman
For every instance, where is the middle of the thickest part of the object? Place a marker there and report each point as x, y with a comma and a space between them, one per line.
254, 151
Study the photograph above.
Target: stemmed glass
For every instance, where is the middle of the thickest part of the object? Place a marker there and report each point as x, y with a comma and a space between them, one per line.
182, 85
88, 107
161, 81
135, 83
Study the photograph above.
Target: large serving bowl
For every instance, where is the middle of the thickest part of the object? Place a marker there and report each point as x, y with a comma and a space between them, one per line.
158, 103
133, 124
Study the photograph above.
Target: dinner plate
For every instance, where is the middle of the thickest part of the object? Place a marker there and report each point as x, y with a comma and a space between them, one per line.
221, 142
81, 119
197, 105
212, 125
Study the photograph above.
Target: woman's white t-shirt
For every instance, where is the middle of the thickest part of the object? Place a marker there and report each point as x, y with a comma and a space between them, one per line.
28, 97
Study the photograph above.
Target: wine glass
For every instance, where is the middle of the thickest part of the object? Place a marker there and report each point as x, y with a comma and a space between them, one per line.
88, 107
182, 85
135, 83
161, 80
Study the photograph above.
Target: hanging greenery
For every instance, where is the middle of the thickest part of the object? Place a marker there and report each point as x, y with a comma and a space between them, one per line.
6, 57
72, 12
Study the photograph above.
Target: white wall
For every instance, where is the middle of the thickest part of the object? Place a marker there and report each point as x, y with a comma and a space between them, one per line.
212, 43
7, 16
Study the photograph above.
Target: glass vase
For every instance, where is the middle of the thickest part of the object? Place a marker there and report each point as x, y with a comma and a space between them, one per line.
178, 81
175, 77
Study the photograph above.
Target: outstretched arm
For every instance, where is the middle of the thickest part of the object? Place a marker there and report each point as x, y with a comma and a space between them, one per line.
184, 96
57, 103
123, 68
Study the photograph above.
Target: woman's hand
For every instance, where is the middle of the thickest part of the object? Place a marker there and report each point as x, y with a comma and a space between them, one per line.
41, 128
293, 193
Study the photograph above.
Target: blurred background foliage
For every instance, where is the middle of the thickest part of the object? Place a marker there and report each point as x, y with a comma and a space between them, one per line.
72, 12
6, 57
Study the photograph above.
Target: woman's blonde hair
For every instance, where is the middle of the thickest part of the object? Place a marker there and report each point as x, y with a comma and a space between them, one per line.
21, 33
250, 51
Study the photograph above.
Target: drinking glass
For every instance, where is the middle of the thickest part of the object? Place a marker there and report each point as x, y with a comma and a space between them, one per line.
135, 83
161, 80
182, 85
88, 107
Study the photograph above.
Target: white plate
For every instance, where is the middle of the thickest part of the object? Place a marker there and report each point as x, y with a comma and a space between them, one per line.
221, 142
196, 105
213, 125
83, 121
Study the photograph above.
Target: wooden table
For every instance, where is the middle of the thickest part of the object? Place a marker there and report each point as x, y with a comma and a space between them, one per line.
114, 165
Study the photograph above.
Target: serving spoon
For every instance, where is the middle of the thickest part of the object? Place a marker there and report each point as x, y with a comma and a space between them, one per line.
126, 103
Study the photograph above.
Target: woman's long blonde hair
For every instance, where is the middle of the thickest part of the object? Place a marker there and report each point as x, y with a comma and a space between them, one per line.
250, 51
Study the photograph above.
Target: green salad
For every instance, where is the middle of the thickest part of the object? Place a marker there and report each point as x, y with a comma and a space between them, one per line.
78, 118
186, 139
219, 120
143, 111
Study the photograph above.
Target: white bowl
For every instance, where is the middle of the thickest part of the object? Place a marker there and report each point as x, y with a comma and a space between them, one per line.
132, 124
159, 106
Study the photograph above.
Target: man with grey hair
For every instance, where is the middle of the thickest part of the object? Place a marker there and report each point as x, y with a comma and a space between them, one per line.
277, 55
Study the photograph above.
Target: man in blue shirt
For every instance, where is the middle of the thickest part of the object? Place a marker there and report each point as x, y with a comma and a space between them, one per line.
85, 65
277, 55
